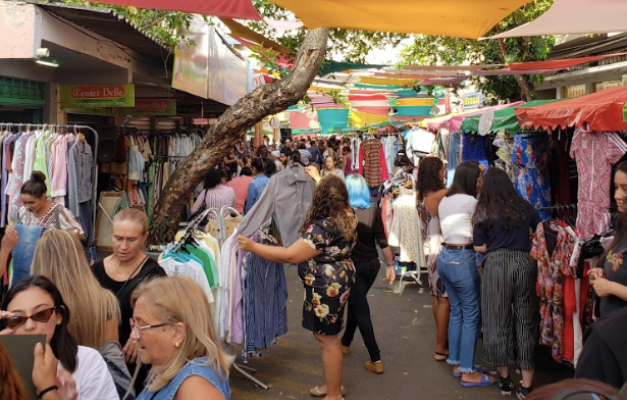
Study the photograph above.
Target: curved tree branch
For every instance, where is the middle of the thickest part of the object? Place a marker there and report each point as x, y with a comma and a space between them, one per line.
230, 128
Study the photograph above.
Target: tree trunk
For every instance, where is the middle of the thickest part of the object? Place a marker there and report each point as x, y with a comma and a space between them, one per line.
230, 128
520, 80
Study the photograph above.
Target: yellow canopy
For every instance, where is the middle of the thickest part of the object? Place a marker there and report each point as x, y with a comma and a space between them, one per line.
416, 102
360, 118
369, 80
458, 18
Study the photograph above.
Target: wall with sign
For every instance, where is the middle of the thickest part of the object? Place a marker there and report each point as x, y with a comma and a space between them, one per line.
473, 100
97, 96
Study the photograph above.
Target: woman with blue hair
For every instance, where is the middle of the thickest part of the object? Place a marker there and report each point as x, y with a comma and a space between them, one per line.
370, 232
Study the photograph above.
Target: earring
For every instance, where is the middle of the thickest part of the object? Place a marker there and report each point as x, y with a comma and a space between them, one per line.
177, 345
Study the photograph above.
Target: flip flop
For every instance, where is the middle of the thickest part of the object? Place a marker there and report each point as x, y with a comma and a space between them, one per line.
478, 368
437, 354
485, 381
315, 392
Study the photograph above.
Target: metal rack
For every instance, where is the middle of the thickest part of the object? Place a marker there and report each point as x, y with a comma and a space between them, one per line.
74, 129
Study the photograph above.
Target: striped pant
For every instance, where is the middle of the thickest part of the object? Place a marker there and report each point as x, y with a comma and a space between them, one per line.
510, 309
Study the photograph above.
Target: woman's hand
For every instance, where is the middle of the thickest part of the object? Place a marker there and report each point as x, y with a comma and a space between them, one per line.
595, 273
603, 287
390, 275
313, 173
130, 350
67, 386
44, 368
10, 239
245, 243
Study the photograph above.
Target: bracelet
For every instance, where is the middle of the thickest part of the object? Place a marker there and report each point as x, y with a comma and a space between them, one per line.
50, 389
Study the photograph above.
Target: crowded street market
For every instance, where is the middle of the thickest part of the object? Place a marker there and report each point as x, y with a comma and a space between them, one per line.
443, 183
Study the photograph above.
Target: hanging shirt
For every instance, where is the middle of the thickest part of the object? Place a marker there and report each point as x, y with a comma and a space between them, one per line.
595, 152
530, 155
286, 199
189, 266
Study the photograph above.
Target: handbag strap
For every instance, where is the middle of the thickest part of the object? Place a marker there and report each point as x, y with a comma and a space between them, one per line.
131, 276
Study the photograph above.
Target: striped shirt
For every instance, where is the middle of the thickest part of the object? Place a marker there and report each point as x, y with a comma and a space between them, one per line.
217, 197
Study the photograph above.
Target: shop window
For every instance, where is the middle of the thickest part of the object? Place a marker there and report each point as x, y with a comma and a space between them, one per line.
570, 92
610, 84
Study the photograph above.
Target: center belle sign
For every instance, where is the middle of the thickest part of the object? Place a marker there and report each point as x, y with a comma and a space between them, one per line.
97, 96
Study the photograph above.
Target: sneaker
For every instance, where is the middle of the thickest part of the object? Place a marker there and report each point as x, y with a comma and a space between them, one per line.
507, 385
377, 367
522, 392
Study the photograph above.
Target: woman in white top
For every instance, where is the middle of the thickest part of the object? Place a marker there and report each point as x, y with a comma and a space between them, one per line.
457, 267
34, 306
330, 168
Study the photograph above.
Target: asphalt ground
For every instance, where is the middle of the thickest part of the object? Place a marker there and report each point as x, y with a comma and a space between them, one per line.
405, 332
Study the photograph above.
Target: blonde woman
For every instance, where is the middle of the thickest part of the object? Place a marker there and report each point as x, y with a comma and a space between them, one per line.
188, 361
59, 257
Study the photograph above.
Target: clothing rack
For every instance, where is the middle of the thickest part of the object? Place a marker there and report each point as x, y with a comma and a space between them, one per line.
94, 177
191, 227
417, 274
560, 207
221, 229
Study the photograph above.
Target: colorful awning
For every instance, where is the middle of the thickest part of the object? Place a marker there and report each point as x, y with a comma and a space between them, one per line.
572, 17
603, 111
457, 18
504, 119
369, 80
329, 67
453, 122
240, 31
240, 9
560, 64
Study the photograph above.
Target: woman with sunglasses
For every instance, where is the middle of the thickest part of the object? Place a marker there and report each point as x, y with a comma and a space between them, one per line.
34, 306
187, 357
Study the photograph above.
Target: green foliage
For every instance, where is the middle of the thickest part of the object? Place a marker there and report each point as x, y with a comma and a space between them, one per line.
441, 50
353, 45
161, 25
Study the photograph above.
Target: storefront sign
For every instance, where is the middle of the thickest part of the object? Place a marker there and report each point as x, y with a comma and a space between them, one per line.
472, 101
151, 107
97, 96
105, 112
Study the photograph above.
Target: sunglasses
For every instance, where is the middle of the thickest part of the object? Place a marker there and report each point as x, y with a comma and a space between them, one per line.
40, 316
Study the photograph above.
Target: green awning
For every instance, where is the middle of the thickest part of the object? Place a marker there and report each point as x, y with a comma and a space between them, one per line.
504, 119
329, 67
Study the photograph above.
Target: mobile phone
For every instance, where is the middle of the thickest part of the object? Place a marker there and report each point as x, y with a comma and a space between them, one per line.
21, 350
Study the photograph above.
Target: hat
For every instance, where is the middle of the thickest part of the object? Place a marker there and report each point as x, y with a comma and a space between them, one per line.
275, 153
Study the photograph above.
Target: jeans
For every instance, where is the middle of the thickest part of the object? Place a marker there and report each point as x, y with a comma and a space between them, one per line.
24, 251
458, 270
359, 310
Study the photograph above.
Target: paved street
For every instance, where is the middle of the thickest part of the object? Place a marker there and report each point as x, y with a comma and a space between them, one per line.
405, 331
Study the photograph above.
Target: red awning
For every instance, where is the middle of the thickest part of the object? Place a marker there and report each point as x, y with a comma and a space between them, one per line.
239, 9
603, 111
560, 64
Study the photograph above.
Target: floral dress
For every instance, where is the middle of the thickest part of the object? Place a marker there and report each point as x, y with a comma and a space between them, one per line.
328, 277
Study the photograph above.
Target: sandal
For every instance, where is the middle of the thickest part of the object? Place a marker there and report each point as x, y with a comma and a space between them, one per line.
315, 392
440, 357
478, 368
485, 381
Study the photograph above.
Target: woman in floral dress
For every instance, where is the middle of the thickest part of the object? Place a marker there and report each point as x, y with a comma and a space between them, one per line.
324, 265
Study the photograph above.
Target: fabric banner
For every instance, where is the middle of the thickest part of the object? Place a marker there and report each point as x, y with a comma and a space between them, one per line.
332, 118
228, 72
504, 120
97, 96
240, 9
191, 61
457, 18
